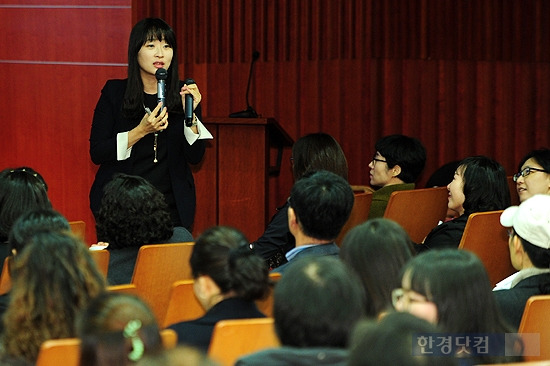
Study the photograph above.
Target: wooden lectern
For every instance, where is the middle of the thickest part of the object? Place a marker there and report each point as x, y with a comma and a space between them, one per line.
232, 181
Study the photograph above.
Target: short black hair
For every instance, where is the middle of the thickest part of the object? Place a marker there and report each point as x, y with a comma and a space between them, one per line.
407, 152
317, 302
541, 156
485, 185
322, 202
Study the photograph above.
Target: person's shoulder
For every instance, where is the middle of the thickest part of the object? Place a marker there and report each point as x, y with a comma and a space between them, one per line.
180, 235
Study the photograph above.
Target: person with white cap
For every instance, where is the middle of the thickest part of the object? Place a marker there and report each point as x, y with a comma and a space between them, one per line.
529, 244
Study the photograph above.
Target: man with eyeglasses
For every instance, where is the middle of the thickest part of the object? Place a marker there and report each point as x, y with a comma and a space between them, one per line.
529, 245
396, 166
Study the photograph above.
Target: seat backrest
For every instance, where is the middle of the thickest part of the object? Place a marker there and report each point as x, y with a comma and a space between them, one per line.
488, 239
266, 305
78, 228
55, 352
66, 351
169, 338
127, 288
535, 320
359, 214
5, 277
183, 304
101, 258
234, 338
418, 211
157, 267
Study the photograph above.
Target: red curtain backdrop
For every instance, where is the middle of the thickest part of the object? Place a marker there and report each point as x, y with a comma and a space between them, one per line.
466, 77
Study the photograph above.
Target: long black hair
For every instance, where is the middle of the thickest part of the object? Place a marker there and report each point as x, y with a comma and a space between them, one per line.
144, 31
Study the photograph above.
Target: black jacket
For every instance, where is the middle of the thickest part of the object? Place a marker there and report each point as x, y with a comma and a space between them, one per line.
108, 122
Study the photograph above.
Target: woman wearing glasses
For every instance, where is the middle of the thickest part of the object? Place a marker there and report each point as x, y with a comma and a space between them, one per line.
533, 175
451, 288
479, 185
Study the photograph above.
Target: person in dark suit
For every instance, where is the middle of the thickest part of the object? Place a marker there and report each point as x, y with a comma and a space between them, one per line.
319, 205
134, 134
312, 152
529, 245
229, 277
317, 303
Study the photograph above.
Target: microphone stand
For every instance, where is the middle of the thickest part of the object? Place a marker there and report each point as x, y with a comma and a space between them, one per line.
249, 112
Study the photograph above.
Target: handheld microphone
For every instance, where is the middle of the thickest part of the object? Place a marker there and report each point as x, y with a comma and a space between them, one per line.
189, 104
249, 112
161, 75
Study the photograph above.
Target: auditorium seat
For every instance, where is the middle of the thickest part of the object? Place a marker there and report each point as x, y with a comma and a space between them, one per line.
234, 338
66, 351
5, 277
78, 228
359, 214
535, 321
488, 239
157, 267
101, 258
183, 305
418, 211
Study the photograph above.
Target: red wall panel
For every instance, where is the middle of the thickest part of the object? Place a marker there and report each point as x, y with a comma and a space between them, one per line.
466, 77
55, 58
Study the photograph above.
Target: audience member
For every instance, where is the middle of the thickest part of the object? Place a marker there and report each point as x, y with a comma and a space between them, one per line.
377, 250
116, 330
317, 302
533, 175
133, 213
451, 288
312, 152
394, 341
395, 166
21, 189
479, 185
53, 277
529, 245
229, 277
441, 178
319, 206
27, 225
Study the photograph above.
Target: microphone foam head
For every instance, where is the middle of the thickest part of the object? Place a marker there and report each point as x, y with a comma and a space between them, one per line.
161, 74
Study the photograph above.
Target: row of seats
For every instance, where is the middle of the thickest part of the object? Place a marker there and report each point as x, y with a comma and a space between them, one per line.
233, 338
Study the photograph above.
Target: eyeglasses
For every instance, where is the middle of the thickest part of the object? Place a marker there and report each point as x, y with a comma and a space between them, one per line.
525, 172
401, 296
511, 233
374, 160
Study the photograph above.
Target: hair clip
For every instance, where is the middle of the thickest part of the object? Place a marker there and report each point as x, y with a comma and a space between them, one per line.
131, 332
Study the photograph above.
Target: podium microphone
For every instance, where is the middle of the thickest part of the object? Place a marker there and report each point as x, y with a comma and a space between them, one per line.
249, 112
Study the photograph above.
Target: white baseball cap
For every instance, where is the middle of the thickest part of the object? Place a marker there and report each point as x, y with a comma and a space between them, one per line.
530, 220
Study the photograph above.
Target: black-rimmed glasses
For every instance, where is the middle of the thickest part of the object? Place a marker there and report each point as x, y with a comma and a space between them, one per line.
375, 159
525, 172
